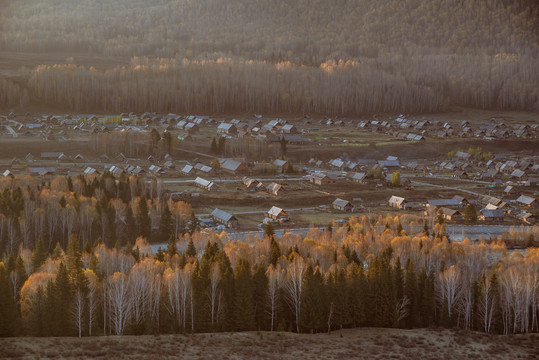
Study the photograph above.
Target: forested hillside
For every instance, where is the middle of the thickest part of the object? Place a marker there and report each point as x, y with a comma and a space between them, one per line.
75, 260
338, 57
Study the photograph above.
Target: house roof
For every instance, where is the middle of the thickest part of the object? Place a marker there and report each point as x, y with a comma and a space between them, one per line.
359, 176
225, 126
203, 182
275, 211
341, 203
89, 170
187, 169
397, 200
223, 215
518, 173
280, 163
443, 202
527, 200
389, 163
336, 162
230, 164
492, 213
318, 175
274, 187
51, 155
491, 200
448, 211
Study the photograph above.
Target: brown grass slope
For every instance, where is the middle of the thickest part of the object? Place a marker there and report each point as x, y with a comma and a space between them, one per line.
366, 343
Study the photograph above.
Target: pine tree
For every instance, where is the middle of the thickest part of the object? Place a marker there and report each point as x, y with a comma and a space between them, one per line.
191, 250
244, 317
260, 283
193, 223
39, 255
8, 307
470, 214
165, 224
275, 251
37, 322
130, 233
172, 249
22, 276
411, 292
63, 304
143, 219
74, 256
314, 303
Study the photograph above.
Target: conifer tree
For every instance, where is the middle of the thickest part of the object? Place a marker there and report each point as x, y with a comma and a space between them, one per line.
260, 284
8, 307
275, 252
314, 307
143, 219
39, 255
130, 233
165, 224
191, 250
63, 303
171, 249
244, 317
411, 292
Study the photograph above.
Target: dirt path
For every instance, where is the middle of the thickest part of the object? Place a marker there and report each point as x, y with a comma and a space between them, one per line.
414, 182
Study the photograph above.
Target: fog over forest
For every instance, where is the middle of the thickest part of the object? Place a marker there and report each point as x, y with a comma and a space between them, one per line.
340, 57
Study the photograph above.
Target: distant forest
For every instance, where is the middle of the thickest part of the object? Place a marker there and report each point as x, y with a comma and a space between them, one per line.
344, 57
75, 260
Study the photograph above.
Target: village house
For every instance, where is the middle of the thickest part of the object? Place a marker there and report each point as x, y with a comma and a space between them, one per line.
205, 184
274, 189
280, 165
319, 178
462, 201
250, 183
527, 201
188, 170
519, 175
204, 169
51, 155
450, 214
233, 166
397, 202
527, 217
156, 170
343, 205
229, 129
491, 215
360, 178
437, 203
277, 214
224, 218
289, 129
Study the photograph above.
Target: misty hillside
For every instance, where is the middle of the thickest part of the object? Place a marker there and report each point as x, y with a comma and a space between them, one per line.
343, 57
304, 30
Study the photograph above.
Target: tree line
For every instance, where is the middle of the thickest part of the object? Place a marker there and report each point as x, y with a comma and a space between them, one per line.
373, 271
394, 83
113, 210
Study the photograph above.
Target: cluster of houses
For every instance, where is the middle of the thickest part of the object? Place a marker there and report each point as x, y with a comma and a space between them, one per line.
417, 130
492, 209
256, 185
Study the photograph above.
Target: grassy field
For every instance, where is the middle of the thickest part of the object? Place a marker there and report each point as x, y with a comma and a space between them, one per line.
367, 343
